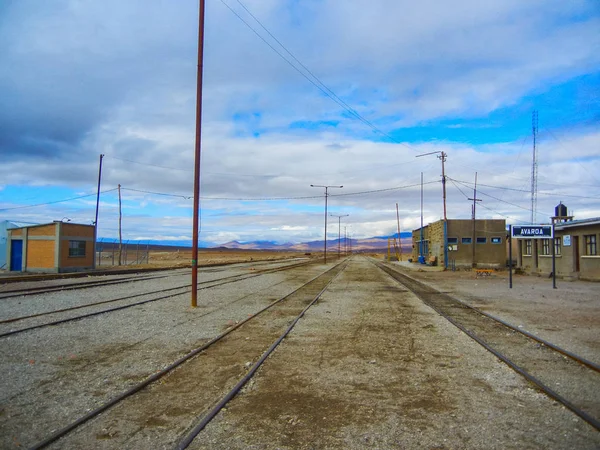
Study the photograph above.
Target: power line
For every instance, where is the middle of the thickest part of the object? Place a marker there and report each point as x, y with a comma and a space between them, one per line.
191, 170
383, 190
258, 199
316, 82
465, 183
186, 197
56, 201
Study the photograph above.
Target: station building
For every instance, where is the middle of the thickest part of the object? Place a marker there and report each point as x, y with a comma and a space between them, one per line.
575, 246
469, 243
54, 248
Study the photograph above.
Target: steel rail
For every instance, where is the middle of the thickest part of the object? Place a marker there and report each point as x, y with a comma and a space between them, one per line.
260, 272
231, 279
131, 279
586, 362
73, 286
539, 384
187, 440
158, 375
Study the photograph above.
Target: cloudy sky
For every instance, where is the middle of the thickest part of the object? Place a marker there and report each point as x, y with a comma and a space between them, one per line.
327, 92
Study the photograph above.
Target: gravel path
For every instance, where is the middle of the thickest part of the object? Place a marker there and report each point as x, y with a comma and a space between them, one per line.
568, 316
55, 374
370, 366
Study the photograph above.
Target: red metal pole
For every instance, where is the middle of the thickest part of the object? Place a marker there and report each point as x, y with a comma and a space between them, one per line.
195, 227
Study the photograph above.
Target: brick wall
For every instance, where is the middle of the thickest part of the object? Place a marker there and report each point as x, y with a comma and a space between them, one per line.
40, 254
76, 230
44, 230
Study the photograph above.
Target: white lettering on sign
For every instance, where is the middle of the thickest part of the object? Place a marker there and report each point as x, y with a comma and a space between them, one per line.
532, 232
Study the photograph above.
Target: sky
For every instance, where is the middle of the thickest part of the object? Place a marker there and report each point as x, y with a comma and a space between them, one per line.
322, 92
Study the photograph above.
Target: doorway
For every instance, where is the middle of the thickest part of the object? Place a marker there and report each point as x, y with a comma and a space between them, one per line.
576, 253
16, 255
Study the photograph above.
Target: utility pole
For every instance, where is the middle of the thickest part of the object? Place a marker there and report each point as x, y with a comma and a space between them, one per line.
339, 229
345, 242
326, 195
421, 246
120, 235
534, 167
198, 148
474, 238
442, 156
97, 208
399, 240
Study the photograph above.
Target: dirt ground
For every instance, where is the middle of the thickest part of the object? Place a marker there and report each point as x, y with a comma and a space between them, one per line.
206, 257
369, 366
372, 367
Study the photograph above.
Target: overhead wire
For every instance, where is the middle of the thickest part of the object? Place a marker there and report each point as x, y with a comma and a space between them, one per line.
523, 190
56, 201
315, 81
305, 197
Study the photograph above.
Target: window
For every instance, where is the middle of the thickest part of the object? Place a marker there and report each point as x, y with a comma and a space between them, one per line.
557, 246
481, 240
467, 240
545, 247
496, 240
76, 249
452, 240
528, 247
590, 245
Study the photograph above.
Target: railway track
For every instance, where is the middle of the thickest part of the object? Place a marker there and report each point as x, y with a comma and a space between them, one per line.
40, 290
170, 293
569, 379
225, 363
7, 293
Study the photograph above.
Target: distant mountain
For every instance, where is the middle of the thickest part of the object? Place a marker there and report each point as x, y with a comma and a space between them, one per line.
374, 243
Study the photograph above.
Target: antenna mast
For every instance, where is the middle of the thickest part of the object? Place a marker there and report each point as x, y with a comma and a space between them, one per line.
534, 167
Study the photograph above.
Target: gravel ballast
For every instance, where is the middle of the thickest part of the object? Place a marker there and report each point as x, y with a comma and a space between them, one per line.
368, 366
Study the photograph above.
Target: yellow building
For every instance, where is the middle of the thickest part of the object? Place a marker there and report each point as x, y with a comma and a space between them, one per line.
54, 247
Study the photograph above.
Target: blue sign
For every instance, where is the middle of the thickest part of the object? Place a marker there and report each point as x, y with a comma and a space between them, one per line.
532, 232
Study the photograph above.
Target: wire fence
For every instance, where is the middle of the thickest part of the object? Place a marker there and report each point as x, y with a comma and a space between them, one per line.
109, 253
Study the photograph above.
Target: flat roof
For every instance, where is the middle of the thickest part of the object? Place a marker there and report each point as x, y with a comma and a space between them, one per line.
577, 223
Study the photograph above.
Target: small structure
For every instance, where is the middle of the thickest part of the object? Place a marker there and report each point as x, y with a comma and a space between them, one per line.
575, 247
479, 243
5, 225
54, 247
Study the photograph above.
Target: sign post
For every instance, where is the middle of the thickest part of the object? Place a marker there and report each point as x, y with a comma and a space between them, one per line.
534, 232
553, 259
510, 256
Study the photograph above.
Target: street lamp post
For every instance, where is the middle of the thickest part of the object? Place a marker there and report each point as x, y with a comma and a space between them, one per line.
326, 195
339, 230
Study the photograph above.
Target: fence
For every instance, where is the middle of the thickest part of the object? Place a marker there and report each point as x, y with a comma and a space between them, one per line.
132, 253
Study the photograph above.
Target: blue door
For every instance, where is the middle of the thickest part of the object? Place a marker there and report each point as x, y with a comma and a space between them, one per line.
16, 255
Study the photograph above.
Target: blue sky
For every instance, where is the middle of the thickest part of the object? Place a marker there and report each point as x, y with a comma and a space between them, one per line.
80, 78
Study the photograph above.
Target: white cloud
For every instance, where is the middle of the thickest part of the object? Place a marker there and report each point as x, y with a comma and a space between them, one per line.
120, 79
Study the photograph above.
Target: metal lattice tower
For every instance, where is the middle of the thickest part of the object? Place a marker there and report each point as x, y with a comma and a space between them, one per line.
534, 167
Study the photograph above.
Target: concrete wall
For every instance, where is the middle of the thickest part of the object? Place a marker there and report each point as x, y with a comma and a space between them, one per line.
572, 262
461, 254
491, 254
